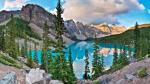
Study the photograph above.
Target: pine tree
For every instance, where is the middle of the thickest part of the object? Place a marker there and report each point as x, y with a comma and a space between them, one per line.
11, 46
35, 53
30, 62
18, 48
45, 48
25, 45
115, 60
72, 75
86, 72
61, 62
123, 60
2, 39
136, 40
23, 51
70, 60
97, 62
148, 47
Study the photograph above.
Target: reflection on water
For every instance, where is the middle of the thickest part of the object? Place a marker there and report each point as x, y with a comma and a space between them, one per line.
78, 52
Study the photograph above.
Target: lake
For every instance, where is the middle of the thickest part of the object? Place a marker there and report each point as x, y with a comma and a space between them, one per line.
78, 52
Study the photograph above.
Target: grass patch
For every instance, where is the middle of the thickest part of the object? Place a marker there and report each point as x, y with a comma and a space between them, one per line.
142, 72
96, 82
9, 61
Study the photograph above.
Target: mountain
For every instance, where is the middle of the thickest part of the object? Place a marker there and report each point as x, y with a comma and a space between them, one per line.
36, 17
110, 29
81, 31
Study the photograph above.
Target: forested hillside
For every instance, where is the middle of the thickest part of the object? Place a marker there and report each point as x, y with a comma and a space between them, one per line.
128, 38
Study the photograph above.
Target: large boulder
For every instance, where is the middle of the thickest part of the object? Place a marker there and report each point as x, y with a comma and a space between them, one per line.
129, 77
105, 79
9, 78
37, 76
11, 72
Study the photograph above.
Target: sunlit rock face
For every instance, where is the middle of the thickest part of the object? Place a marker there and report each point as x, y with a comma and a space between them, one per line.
110, 29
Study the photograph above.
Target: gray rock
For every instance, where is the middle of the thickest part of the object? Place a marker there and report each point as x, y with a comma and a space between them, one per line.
37, 76
105, 79
9, 78
129, 77
121, 81
56, 82
84, 82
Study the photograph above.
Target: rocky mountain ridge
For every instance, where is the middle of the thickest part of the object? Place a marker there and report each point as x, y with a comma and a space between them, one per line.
36, 17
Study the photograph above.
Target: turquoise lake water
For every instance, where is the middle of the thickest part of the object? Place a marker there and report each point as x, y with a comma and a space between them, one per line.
78, 52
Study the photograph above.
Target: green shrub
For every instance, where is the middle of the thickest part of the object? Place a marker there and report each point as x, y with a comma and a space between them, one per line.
142, 72
9, 61
96, 82
116, 67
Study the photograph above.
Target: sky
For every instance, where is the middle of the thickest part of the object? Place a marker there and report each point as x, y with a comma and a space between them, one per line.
118, 12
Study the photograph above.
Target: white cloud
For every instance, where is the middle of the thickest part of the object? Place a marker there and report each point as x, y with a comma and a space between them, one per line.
14, 4
99, 10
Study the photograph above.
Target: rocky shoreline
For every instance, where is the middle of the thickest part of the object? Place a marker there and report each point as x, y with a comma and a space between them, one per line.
12, 75
128, 75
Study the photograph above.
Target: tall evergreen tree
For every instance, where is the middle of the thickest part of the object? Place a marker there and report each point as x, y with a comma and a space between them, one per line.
70, 60
148, 46
30, 62
72, 75
10, 39
97, 62
61, 62
35, 53
2, 39
23, 51
115, 60
87, 70
136, 40
45, 48
25, 45
123, 60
